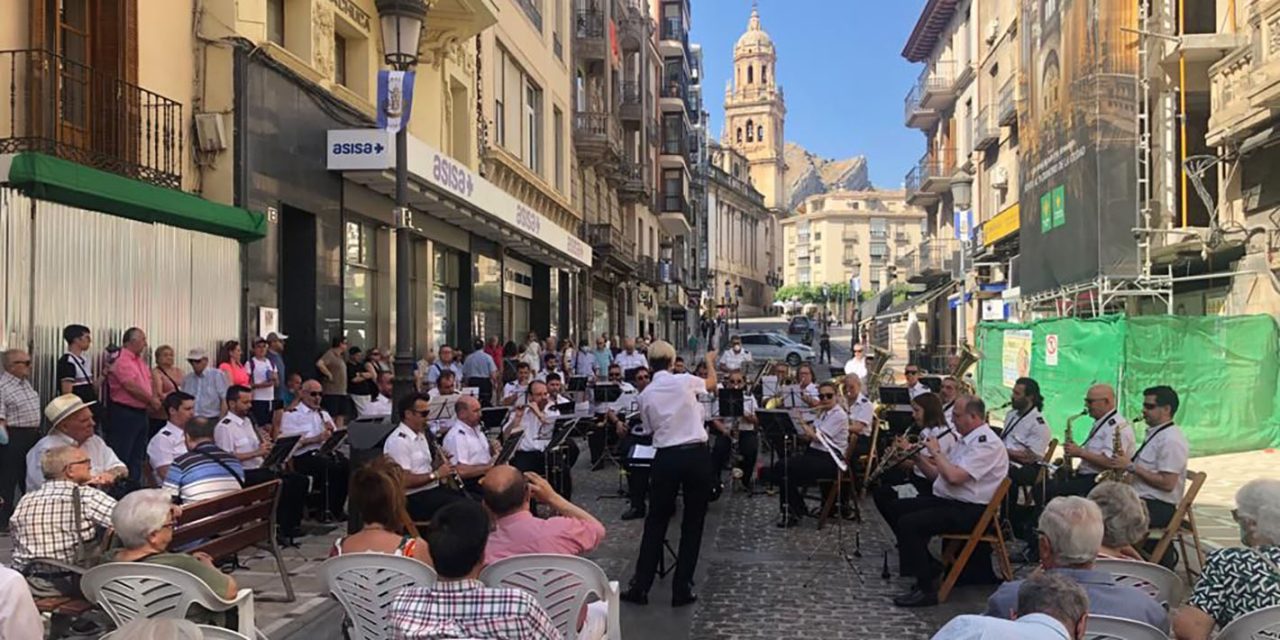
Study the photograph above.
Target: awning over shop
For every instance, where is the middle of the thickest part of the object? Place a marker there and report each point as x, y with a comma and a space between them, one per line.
57, 180
1001, 226
449, 191
875, 304
904, 308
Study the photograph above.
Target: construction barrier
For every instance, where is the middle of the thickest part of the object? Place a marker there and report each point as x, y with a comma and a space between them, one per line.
1225, 369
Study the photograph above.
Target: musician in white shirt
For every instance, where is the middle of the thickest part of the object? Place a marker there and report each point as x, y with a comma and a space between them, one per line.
236, 434
439, 417
424, 469
828, 440
380, 406
950, 390
926, 410
534, 423
1096, 448
964, 483
328, 472
735, 358
638, 433
1026, 434
914, 386
470, 452
857, 365
515, 393
726, 430
609, 425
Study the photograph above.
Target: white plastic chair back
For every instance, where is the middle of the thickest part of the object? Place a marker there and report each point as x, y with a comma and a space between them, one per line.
1157, 581
366, 583
132, 590
1113, 628
562, 584
1263, 624
207, 632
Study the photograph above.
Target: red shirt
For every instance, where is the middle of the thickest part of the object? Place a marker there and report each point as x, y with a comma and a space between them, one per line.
129, 367
495, 352
521, 533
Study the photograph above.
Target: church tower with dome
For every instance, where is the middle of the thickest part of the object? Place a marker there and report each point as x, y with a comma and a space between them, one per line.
755, 112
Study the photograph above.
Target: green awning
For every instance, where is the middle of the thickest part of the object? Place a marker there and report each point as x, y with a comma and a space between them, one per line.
49, 178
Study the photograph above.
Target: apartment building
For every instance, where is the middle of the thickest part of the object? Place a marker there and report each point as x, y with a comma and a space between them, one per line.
739, 225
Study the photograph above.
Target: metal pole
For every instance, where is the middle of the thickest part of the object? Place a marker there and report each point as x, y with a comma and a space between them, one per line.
404, 264
963, 334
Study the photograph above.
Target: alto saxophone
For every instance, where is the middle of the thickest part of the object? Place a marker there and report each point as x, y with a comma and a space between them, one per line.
1117, 450
1065, 470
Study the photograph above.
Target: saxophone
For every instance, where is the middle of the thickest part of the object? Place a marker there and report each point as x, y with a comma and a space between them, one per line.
1065, 469
1117, 450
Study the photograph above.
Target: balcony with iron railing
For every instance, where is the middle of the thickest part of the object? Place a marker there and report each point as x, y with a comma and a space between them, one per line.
986, 131
1007, 103
530, 8
597, 137
609, 242
932, 258
674, 92
631, 108
73, 111
937, 85
647, 270
633, 182
915, 114
738, 185
590, 37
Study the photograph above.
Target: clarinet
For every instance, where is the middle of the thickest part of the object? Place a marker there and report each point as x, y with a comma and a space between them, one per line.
454, 481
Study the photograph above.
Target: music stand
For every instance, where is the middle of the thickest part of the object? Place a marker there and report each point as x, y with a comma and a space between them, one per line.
577, 383
332, 443
606, 393
474, 392
768, 386
732, 403
629, 376
791, 397
280, 451
442, 407
777, 426
565, 407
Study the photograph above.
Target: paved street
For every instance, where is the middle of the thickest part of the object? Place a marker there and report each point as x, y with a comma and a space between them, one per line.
755, 581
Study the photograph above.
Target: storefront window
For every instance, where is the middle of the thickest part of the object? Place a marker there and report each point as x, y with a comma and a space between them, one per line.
359, 285
486, 294
600, 317
555, 303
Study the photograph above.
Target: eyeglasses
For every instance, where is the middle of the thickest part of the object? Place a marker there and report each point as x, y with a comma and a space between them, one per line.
424, 413
826, 396
20, 362
79, 462
315, 394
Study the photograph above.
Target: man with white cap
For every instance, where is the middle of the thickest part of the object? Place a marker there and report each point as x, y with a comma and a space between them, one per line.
72, 424
207, 386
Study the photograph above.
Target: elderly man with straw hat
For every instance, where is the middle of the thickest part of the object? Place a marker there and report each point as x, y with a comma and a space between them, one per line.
72, 424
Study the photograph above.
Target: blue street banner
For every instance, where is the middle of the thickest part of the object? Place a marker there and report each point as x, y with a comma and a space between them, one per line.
395, 99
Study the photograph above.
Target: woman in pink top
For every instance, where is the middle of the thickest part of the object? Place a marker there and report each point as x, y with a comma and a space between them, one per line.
231, 363
387, 525
165, 379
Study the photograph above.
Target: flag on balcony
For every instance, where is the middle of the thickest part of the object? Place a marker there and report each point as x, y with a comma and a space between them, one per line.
395, 99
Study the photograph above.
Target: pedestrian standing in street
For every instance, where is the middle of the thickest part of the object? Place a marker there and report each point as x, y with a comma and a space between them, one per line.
264, 379
231, 363
20, 419
420, 368
75, 372
275, 353
333, 380
208, 386
446, 362
494, 348
584, 361
857, 365
824, 344
479, 370
132, 395
361, 385
604, 357
166, 378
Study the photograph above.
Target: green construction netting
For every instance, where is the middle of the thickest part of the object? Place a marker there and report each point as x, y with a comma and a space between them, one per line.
1225, 370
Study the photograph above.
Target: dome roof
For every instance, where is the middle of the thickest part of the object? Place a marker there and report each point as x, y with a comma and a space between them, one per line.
755, 40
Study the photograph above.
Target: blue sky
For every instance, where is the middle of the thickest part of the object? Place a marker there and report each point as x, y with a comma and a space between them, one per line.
839, 64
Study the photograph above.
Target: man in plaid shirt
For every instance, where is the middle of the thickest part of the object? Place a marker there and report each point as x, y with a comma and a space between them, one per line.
44, 522
459, 605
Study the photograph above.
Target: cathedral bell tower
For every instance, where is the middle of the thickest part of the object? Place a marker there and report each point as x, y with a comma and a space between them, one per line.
755, 112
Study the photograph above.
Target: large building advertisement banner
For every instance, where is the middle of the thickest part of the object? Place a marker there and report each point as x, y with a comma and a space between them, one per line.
1077, 119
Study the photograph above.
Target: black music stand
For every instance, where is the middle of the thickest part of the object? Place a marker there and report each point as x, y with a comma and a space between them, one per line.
732, 403
565, 407
332, 443
577, 383
629, 376
494, 417
606, 393
777, 426
280, 451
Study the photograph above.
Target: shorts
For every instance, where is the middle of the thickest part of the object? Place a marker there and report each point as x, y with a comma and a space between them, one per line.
337, 406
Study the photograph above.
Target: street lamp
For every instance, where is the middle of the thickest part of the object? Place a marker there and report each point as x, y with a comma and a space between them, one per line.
737, 303
401, 22
962, 199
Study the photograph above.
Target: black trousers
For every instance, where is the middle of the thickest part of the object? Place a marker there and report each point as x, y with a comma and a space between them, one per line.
126, 434
1161, 514
687, 468
637, 476
886, 499
1023, 518
824, 352
797, 472
721, 449
917, 520
13, 467
485, 385
553, 466
262, 410
1077, 485
293, 495
423, 505
329, 477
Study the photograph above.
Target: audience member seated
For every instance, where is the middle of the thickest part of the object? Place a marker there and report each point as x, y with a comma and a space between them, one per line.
144, 522
459, 605
1124, 520
380, 504
516, 531
1238, 580
160, 629
1049, 607
71, 423
1070, 533
19, 618
44, 523
204, 472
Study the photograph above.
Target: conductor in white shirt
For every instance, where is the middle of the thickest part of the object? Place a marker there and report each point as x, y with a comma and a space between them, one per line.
669, 405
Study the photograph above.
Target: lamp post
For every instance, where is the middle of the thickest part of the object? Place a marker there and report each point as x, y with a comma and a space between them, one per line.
401, 22
737, 307
962, 199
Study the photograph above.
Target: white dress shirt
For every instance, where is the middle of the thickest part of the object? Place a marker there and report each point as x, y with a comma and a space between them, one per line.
633, 360
856, 367
168, 443
235, 435
306, 422
918, 389
861, 411
379, 407
983, 457
1035, 626
537, 433
1101, 439
669, 406
1165, 450
19, 618
101, 457
947, 437
465, 444
412, 452
517, 389
1027, 431
834, 424
733, 360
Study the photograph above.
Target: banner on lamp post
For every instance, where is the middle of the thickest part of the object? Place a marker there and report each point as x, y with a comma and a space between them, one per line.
395, 99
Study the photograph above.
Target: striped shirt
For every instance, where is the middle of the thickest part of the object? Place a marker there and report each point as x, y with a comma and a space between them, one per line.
204, 473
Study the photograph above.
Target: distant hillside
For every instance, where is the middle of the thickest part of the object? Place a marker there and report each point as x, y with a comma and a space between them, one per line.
808, 174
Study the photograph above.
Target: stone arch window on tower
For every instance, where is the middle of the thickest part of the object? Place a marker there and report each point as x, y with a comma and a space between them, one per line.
764, 74
760, 133
739, 134
751, 130
750, 74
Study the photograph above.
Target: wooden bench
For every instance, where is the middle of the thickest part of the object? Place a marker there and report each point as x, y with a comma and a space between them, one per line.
231, 523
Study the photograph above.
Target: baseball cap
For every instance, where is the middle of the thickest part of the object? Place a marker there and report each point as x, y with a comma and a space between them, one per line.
197, 354
276, 336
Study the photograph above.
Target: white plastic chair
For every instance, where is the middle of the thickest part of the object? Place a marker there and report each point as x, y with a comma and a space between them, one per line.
1112, 628
208, 632
1255, 625
131, 590
366, 583
561, 584
1159, 582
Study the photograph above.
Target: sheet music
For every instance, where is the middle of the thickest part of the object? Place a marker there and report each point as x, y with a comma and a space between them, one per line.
708, 402
768, 386
791, 397
643, 452
474, 392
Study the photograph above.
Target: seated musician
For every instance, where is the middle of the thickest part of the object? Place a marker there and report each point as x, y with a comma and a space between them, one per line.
236, 435
861, 414
440, 418
808, 389
1098, 447
514, 392
1158, 469
423, 472
723, 431
815, 463
636, 432
914, 386
555, 391
964, 482
609, 418
328, 472
470, 452
926, 409
735, 358
950, 389
534, 423
1026, 437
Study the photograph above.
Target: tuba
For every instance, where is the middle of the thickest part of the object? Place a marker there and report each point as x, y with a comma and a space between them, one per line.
964, 361
876, 369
